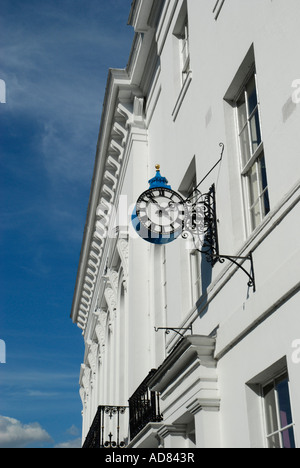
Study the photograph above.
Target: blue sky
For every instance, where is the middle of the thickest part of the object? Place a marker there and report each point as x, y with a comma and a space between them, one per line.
54, 59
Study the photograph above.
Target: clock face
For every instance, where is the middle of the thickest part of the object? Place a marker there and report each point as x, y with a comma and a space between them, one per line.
161, 211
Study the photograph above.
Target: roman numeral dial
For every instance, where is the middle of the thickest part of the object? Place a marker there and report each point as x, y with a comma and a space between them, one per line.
161, 210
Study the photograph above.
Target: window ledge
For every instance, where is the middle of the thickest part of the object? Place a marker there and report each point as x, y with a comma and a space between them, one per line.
182, 94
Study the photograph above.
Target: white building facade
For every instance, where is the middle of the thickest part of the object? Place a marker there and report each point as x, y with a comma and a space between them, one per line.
181, 352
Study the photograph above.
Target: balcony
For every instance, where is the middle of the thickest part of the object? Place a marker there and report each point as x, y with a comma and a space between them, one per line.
143, 407
109, 428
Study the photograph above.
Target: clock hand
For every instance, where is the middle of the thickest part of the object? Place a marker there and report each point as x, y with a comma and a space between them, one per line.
169, 208
163, 212
151, 197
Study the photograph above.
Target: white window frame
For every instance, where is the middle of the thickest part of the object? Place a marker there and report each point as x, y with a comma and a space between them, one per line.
280, 429
182, 34
184, 49
256, 159
217, 8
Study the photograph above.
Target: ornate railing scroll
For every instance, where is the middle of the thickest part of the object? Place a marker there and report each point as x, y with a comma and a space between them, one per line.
105, 431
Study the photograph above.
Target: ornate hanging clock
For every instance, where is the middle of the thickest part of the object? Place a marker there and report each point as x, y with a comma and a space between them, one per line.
159, 213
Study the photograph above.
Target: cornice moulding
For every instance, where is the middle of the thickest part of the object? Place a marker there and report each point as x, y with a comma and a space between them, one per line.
93, 243
124, 119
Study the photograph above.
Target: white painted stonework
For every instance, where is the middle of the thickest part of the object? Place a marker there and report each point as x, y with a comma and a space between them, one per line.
173, 104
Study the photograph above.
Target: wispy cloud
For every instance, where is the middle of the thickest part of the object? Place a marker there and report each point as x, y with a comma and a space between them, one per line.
42, 394
40, 378
73, 430
55, 57
55, 66
39, 395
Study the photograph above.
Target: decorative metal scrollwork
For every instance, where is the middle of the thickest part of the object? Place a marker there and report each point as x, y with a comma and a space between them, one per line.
234, 259
106, 421
112, 411
113, 444
200, 224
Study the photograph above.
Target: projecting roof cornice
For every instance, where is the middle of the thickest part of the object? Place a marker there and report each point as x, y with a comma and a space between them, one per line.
122, 110
143, 14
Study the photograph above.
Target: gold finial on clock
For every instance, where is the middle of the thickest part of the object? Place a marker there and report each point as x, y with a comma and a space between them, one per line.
157, 167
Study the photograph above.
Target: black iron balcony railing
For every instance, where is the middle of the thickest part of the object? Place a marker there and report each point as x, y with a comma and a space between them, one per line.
143, 407
100, 435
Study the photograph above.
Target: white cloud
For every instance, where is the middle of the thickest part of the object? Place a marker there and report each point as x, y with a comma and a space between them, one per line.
14, 434
76, 443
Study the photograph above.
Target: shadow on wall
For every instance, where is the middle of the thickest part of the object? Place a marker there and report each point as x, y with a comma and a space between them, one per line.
206, 276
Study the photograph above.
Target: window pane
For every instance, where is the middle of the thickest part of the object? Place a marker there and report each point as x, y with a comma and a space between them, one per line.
263, 172
270, 409
264, 185
185, 51
252, 95
242, 112
253, 185
265, 203
288, 439
255, 131
185, 54
274, 441
284, 403
255, 215
245, 146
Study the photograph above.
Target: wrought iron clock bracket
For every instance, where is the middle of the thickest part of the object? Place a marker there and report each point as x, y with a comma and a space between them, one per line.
204, 229
201, 223
176, 330
235, 259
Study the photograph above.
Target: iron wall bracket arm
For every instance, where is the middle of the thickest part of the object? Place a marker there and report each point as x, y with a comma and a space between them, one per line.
234, 259
176, 330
